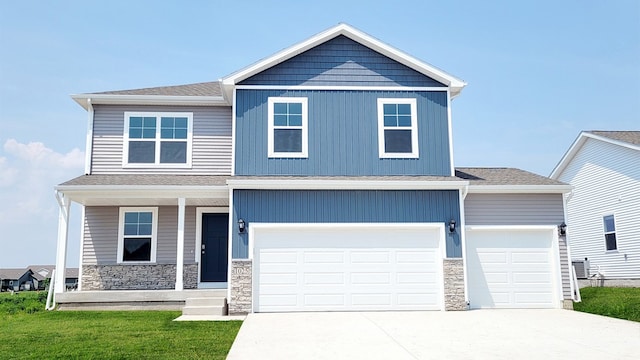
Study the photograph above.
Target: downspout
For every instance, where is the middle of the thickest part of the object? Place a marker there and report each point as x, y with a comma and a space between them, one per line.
89, 140
51, 299
575, 290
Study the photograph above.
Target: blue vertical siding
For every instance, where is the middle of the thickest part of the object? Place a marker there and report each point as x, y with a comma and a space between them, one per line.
345, 206
343, 134
341, 61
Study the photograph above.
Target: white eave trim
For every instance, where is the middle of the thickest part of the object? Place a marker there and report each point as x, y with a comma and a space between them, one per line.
523, 189
113, 99
315, 184
343, 29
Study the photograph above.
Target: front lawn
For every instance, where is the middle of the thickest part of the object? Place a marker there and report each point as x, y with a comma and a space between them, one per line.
109, 335
622, 303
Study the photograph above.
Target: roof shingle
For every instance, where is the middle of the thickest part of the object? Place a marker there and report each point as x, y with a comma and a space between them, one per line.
631, 137
199, 89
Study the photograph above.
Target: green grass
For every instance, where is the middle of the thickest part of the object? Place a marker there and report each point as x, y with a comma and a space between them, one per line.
622, 303
26, 302
108, 334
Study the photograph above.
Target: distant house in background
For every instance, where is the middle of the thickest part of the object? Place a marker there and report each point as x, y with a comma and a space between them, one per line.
17, 279
603, 211
43, 272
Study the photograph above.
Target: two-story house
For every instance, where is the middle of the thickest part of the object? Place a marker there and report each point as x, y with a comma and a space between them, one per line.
320, 178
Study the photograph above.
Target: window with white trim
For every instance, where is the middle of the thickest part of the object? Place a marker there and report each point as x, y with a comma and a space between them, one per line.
160, 139
137, 235
609, 223
397, 128
287, 131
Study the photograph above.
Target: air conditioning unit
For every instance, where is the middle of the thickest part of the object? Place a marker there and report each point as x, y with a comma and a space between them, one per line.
582, 268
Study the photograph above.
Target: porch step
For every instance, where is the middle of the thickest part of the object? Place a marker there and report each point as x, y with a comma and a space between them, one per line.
205, 306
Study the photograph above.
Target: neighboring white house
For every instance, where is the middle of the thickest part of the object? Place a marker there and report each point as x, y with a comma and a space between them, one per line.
603, 210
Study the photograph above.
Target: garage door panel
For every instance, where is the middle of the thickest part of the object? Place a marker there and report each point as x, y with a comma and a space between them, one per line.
357, 270
510, 268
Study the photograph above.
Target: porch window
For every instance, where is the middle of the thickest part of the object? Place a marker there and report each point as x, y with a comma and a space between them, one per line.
137, 235
157, 139
287, 137
397, 128
610, 232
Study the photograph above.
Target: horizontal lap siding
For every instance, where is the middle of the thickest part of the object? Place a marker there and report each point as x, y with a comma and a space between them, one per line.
520, 209
341, 62
101, 235
606, 180
325, 206
211, 150
343, 135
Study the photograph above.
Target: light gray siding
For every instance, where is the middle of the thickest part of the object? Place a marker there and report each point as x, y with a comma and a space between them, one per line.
101, 235
520, 209
513, 209
606, 181
211, 150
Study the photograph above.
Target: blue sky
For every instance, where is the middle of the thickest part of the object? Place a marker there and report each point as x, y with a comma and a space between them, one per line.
539, 72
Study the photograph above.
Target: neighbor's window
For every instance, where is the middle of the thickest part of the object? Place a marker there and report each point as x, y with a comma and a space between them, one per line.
287, 135
397, 128
137, 235
157, 139
610, 232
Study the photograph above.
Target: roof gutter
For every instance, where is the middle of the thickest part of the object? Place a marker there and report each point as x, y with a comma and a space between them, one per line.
523, 189
325, 184
112, 99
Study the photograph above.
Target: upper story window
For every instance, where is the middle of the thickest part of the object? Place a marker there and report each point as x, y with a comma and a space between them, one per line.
137, 235
397, 128
157, 139
610, 232
288, 134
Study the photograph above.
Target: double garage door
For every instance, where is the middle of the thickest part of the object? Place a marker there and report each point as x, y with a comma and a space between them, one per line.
347, 267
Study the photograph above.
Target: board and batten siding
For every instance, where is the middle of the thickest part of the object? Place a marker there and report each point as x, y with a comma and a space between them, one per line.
343, 134
211, 149
341, 62
521, 209
101, 235
345, 206
606, 180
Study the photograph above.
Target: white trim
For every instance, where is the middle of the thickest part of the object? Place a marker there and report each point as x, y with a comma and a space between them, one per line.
319, 184
82, 239
604, 232
496, 189
89, 140
415, 150
180, 246
198, 240
463, 244
557, 264
230, 242
119, 99
450, 129
64, 206
340, 88
154, 234
565, 201
304, 128
233, 134
158, 140
510, 227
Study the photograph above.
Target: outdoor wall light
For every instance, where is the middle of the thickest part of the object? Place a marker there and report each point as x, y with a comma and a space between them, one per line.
562, 229
241, 226
452, 225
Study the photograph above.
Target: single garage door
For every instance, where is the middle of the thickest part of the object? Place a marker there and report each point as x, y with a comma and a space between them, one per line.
346, 267
511, 268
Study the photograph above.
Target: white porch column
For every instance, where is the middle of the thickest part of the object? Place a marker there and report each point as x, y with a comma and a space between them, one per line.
180, 245
63, 237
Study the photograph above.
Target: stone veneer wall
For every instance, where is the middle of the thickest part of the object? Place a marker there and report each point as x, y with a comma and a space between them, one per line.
241, 291
136, 277
454, 298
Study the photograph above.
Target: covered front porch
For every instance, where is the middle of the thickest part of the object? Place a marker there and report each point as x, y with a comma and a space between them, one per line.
146, 240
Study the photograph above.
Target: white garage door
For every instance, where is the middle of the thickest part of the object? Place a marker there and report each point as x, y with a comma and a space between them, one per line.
511, 268
346, 267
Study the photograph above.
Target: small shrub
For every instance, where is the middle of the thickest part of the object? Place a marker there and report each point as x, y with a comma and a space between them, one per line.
26, 302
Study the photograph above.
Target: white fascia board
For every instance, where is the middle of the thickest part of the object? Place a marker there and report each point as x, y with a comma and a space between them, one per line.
149, 100
358, 36
511, 227
301, 184
140, 191
522, 189
612, 141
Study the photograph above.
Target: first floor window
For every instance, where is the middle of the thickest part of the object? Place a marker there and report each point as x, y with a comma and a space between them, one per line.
287, 127
137, 235
157, 139
610, 232
397, 128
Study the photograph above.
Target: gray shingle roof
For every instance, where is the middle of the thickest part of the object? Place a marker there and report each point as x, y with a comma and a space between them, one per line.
347, 178
503, 176
199, 89
12, 274
631, 137
148, 179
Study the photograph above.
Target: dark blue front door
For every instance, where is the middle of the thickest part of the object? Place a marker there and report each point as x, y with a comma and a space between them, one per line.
214, 252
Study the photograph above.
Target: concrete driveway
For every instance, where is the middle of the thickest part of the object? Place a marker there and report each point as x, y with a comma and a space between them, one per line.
478, 334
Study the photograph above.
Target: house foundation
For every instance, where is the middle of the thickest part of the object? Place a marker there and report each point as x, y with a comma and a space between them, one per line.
136, 277
454, 299
241, 287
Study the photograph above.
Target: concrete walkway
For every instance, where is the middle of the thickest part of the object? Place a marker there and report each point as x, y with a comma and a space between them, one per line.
478, 334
